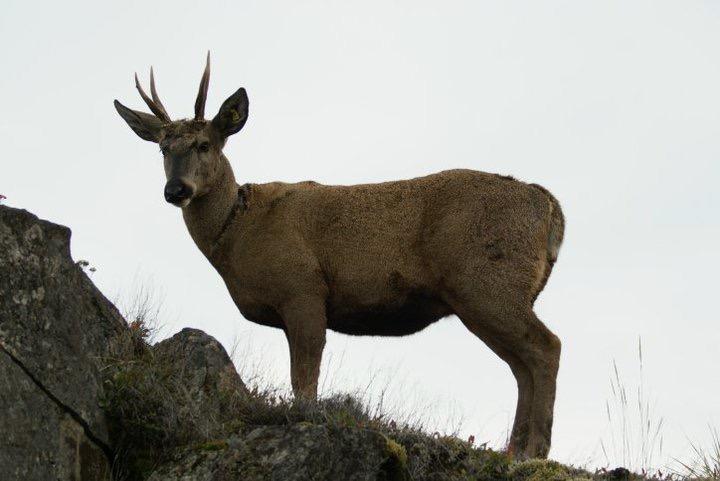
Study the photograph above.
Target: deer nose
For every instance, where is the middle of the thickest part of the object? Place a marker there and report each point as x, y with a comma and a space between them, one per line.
177, 191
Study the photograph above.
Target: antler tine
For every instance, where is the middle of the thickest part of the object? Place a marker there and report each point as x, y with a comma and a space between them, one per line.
155, 97
202, 92
159, 113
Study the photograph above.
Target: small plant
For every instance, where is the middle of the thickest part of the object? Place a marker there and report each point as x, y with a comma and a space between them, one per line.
85, 266
143, 312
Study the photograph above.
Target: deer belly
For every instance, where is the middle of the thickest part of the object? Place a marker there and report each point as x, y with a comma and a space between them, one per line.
399, 316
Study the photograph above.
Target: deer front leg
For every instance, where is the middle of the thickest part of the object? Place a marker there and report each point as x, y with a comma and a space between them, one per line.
305, 325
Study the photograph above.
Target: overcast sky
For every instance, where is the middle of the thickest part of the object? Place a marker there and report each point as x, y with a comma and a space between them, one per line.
614, 106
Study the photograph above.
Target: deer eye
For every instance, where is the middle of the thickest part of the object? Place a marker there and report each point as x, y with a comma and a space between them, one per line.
204, 147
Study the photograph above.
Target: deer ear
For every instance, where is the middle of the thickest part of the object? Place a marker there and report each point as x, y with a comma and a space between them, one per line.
147, 126
233, 114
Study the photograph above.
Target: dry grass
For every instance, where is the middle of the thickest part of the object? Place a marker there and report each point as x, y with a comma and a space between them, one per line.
143, 311
635, 432
706, 463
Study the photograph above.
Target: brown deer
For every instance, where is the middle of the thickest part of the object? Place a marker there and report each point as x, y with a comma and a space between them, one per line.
382, 259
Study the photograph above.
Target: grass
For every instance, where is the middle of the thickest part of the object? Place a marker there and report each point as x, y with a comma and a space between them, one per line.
635, 438
635, 433
706, 463
142, 311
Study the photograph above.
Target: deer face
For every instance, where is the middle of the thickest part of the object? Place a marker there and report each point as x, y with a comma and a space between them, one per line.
192, 157
192, 149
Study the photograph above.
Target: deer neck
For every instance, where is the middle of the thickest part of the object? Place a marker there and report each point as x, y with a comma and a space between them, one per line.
208, 216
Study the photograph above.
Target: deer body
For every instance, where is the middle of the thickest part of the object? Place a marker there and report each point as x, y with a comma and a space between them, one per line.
382, 259
374, 253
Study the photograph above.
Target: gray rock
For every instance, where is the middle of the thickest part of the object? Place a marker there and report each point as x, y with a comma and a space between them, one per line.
203, 364
200, 383
287, 453
41, 440
54, 331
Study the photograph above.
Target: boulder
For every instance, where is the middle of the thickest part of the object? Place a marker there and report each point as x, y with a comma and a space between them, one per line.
296, 452
179, 391
203, 365
54, 331
41, 439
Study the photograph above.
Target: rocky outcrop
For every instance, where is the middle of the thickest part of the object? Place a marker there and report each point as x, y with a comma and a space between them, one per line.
57, 332
299, 452
54, 330
183, 390
42, 438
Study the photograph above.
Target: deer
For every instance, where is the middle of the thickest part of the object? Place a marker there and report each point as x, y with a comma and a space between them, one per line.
383, 259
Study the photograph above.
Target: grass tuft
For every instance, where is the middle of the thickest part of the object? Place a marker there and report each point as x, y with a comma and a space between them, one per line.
635, 437
706, 463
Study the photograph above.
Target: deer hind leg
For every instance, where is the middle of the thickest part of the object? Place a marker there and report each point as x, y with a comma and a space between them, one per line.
543, 352
532, 352
523, 376
305, 324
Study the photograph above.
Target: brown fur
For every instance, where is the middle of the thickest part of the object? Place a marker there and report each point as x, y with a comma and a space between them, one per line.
377, 259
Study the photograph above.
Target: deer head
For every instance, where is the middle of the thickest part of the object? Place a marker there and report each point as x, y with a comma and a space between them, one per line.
192, 149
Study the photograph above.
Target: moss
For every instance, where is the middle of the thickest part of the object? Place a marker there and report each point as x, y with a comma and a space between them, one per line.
343, 418
493, 466
544, 470
538, 470
395, 468
396, 451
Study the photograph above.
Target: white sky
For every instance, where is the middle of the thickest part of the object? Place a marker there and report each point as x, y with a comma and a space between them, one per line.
614, 106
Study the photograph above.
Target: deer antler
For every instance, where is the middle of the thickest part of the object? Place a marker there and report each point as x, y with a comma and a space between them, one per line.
155, 104
202, 92
154, 94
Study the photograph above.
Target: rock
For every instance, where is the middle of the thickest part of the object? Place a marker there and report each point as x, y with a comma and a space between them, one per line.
619, 474
201, 379
182, 391
203, 364
54, 331
287, 453
41, 440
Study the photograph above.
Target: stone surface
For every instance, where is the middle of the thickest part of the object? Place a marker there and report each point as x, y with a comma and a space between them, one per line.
54, 330
40, 440
287, 453
203, 364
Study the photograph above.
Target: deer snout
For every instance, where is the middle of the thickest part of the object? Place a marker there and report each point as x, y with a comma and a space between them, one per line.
178, 192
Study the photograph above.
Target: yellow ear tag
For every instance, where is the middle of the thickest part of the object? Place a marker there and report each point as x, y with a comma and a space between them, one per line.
235, 116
